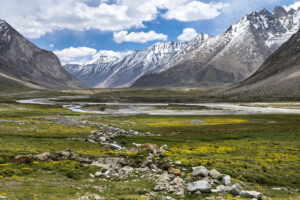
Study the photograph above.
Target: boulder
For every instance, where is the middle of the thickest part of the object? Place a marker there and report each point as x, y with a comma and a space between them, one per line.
215, 174
220, 188
250, 194
23, 159
235, 189
97, 174
159, 188
201, 186
178, 181
174, 171
163, 147
227, 180
168, 198
163, 179
102, 139
136, 145
91, 197
210, 180
92, 175
178, 162
201, 170
65, 154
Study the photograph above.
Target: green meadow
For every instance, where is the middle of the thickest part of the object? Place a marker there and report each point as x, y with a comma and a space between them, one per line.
262, 151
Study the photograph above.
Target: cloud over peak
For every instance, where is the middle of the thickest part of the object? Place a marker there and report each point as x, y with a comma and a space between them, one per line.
83, 55
187, 34
139, 37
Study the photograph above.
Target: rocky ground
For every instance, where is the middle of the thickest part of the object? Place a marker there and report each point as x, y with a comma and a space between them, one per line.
149, 162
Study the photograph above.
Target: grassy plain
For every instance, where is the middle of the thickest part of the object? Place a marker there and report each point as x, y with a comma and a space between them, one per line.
261, 150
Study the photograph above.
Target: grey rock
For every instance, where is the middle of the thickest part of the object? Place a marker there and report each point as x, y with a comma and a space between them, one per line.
221, 188
250, 194
235, 189
201, 186
201, 170
102, 139
168, 198
43, 157
92, 175
215, 174
178, 181
178, 162
164, 147
226, 180
159, 188
163, 179
97, 174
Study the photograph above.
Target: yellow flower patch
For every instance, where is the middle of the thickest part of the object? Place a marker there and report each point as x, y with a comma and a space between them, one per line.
189, 122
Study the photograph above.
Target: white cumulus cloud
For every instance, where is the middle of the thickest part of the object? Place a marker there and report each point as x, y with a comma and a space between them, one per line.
195, 10
187, 34
295, 6
35, 18
76, 55
83, 55
139, 37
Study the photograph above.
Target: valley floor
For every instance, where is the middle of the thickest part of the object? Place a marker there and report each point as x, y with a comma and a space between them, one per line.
261, 152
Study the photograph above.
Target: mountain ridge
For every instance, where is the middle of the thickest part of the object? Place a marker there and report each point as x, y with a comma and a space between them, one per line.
231, 56
279, 76
22, 60
126, 70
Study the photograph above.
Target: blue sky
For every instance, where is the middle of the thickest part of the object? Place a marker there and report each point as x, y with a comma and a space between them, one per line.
95, 26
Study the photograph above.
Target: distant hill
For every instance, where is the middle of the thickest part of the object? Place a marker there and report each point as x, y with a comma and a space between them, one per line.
23, 63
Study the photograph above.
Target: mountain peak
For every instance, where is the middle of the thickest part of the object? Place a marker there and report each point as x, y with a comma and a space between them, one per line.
291, 11
4, 31
200, 38
26, 62
203, 36
264, 11
105, 59
167, 47
279, 12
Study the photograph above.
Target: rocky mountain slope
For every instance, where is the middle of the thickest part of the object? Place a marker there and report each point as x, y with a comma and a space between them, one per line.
279, 76
23, 61
231, 56
123, 72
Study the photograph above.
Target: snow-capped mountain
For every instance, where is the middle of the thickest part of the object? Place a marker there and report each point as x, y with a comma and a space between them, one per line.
231, 56
123, 72
89, 73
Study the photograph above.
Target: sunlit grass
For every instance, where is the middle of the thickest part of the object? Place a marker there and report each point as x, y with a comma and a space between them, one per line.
261, 150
